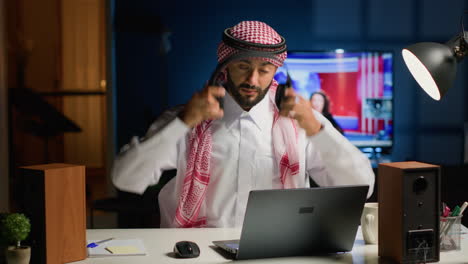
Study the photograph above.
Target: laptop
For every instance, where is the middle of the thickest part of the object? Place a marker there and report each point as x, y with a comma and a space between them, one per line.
298, 222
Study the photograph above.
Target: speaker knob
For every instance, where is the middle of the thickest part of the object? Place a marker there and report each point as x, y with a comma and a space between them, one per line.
419, 185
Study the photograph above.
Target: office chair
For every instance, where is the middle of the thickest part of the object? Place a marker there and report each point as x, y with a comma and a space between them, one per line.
134, 210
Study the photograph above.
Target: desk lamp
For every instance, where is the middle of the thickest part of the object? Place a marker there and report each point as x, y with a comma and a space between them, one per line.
434, 65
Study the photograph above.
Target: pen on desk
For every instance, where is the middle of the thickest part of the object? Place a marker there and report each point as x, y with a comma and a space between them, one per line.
97, 243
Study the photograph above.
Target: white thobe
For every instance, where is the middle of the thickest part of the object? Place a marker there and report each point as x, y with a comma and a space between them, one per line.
242, 160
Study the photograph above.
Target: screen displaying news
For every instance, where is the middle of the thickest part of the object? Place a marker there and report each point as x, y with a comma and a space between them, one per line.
359, 88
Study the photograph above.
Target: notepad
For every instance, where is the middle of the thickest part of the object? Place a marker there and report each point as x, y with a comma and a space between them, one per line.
123, 250
118, 247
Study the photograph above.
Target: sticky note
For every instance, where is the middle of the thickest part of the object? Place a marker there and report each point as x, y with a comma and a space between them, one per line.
123, 250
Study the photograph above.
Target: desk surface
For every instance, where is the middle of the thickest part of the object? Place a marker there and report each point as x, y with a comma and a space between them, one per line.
160, 242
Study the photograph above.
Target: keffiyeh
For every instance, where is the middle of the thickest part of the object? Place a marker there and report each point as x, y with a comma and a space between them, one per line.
253, 32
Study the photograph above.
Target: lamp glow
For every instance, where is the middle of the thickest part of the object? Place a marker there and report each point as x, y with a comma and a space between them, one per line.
421, 74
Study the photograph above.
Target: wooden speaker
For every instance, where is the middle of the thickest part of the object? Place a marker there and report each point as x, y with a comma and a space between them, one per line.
54, 199
409, 202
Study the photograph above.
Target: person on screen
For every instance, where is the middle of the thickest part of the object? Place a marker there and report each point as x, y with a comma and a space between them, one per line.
321, 103
222, 153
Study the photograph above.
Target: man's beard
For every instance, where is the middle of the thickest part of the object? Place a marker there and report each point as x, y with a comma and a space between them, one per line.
245, 102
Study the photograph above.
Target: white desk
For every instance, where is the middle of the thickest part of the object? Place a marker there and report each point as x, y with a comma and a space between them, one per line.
160, 242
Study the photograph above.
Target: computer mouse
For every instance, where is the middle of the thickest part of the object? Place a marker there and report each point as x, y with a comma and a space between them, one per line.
186, 249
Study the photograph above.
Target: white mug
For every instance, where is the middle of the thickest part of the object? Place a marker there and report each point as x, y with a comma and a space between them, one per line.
370, 223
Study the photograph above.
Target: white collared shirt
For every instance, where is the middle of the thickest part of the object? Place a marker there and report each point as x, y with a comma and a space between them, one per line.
242, 160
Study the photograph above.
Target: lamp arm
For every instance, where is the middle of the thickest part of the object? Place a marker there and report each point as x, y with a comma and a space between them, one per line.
464, 34
459, 44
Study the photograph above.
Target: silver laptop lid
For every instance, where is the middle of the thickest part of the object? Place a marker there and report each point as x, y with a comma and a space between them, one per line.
296, 222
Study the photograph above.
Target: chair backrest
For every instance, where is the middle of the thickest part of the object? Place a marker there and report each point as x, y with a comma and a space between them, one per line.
151, 193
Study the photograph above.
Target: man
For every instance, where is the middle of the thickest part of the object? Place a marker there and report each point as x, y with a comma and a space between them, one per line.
222, 153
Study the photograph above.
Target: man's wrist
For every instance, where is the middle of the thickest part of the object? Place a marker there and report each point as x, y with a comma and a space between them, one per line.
314, 129
186, 119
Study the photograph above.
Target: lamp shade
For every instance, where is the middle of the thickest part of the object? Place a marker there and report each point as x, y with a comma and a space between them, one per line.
433, 65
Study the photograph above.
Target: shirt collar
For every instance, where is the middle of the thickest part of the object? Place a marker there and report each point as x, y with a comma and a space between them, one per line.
261, 113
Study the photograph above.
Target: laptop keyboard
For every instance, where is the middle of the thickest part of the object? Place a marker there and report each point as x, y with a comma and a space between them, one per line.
233, 245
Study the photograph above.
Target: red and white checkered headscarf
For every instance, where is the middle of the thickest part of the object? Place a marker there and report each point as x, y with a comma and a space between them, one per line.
253, 32
190, 211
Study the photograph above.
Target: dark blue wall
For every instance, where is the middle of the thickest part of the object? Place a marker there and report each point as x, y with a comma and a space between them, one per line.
148, 81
